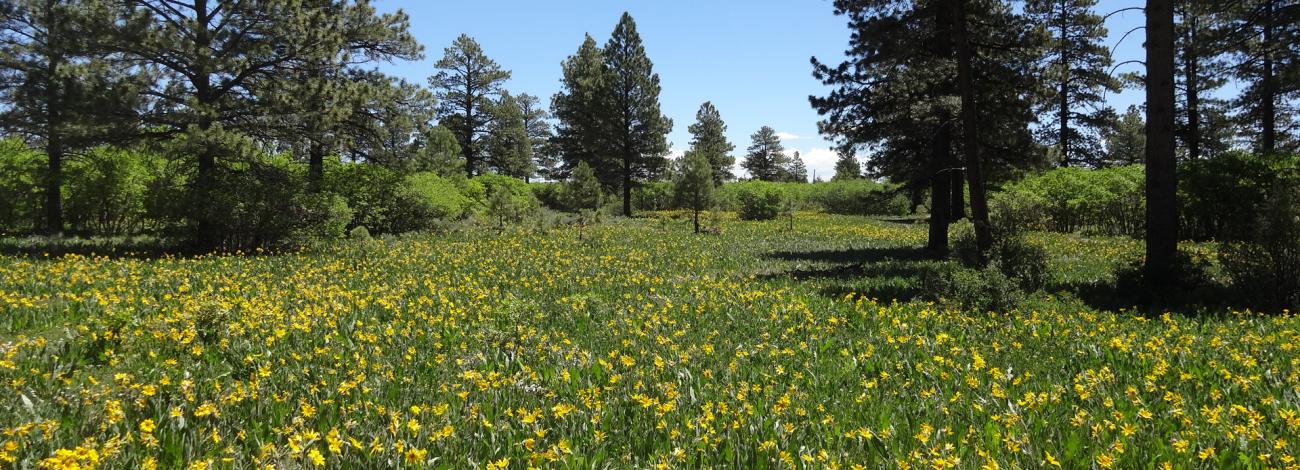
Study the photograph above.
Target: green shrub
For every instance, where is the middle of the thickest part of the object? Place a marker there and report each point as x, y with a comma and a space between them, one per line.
856, 197
371, 191
1013, 254
359, 233
319, 216
550, 195
423, 199
21, 196
1108, 201
653, 196
105, 191
503, 198
760, 201
987, 289
1265, 270
1222, 197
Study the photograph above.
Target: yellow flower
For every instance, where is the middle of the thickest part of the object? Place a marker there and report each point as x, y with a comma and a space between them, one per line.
147, 426
316, 458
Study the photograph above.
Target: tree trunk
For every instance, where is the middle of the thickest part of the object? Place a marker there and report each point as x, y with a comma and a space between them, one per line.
316, 167
1268, 90
627, 186
1065, 98
940, 197
1162, 209
697, 221
914, 195
970, 130
54, 185
957, 209
1193, 91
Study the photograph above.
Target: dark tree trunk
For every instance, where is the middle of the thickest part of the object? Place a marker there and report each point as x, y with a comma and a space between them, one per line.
1162, 209
940, 198
627, 186
970, 130
697, 221
1193, 91
54, 185
316, 167
914, 194
1268, 89
1065, 97
957, 209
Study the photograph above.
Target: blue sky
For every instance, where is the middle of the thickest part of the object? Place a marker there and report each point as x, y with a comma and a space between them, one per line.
750, 57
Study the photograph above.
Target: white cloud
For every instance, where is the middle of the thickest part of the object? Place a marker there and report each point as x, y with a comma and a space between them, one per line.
675, 153
787, 136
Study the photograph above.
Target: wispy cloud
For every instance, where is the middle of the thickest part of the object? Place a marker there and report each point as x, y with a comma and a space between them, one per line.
787, 136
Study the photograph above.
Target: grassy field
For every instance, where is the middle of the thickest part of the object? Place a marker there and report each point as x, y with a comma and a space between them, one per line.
631, 344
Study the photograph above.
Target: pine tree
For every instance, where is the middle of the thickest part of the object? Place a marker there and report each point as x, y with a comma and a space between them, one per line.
1264, 39
467, 81
897, 95
1126, 139
215, 85
582, 191
509, 150
536, 121
58, 86
321, 98
637, 129
581, 110
847, 167
708, 138
1075, 73
1199, 40
797, 171
765, 158
693, 186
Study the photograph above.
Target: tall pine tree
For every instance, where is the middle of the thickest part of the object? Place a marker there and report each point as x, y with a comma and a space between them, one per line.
636, 128
59, 88
467, 82
581, 110
1076, 78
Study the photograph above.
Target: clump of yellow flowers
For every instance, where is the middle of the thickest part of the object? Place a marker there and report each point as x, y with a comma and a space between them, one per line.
632, 344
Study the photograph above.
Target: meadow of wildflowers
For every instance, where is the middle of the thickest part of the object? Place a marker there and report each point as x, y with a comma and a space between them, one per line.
630, 344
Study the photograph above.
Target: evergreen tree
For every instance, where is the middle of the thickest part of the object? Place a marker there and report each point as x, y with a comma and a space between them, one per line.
58, 88
797, 171
536, 121
1126, 139
321, 98
1264, 40
582, 191
897, 95
847, 167
1075, 73
221, 62
693, 186
580, 110
1199, 37
467, 81
509, 150
636, 128
708, 138
765, 158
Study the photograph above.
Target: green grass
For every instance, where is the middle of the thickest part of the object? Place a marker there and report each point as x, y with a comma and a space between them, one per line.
630, 344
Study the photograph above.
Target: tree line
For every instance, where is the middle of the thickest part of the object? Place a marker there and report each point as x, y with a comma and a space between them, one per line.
955, 96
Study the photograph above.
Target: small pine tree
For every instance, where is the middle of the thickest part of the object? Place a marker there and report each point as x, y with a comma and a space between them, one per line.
847, 167
694, 185
798, 172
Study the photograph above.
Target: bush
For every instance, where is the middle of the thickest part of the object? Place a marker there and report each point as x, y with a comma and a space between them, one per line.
105, 192
503, 198
550, 195
1108, 201
1222, 198
654, 196
423, 199
1013, 254
760, 201
1265, 270
856, 197
371, 191
320, 216
247, 207
21, 195
986, 289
